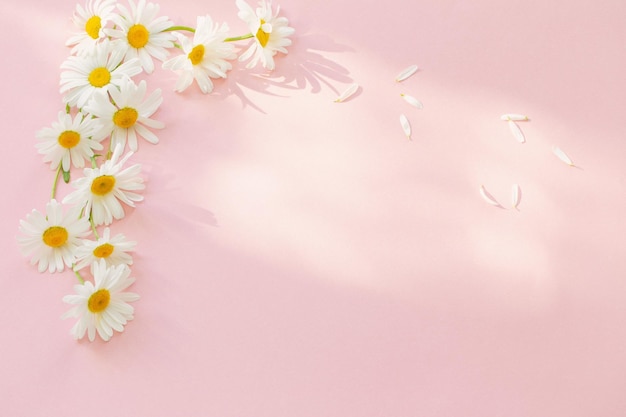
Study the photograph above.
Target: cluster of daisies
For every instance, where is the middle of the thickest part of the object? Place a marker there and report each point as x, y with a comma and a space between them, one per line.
105, 113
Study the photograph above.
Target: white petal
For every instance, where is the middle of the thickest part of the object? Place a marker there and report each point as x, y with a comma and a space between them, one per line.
406, 126
517, 132
562, 156
346, 94
412, 101
406, 73
515, 117
488, 197
516, 197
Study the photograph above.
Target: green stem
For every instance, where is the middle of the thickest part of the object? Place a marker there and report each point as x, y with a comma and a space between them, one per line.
187, 28
56, 181
110, 98
190, 29
239, 38
80, 278
94, 165
93, 227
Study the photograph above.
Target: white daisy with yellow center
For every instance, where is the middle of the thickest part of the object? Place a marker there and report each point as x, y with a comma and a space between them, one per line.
70, 140
90, 20
142, 33
102, 189
102, 307
130, 115
204, 57
270, 33
51, 239
112, 250
100, 70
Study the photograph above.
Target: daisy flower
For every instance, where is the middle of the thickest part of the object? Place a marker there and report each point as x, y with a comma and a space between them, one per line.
205, 57
52, 238
90, 20
130, 115
101, 189
100, 70
70, 140
113, 251
102, 306
142, 34
270, 33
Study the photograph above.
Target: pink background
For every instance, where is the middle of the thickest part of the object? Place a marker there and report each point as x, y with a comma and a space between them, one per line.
301, 258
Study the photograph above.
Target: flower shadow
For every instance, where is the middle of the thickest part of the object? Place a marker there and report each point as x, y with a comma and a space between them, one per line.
171, 202
305, 67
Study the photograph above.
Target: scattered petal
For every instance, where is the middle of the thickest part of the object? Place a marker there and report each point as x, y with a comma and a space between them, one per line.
412, 101
514, 117
406, 73
406, 126
562, 156
346, 94
517, 132
516, 197
488, 197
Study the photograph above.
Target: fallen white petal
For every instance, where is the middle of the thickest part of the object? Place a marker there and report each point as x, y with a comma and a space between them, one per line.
562, 156
412, 101
346, 94
517, 132
488, 197
516, 197
515, 117
406, 73
406, 126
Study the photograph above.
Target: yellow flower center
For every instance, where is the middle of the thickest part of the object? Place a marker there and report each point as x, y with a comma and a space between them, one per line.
262, 36
103, 251
138, 36
125, 117
92, 27
69, 139
55, 236
99, 301
196, 54
99, 77
103, 184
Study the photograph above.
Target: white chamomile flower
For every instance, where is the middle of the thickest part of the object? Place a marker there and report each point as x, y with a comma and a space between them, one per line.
70, 140
130, 115
112, 250
101, 189
90, 20
102, 306
52, 238
204, 57
100, 70
143, 34
270, 33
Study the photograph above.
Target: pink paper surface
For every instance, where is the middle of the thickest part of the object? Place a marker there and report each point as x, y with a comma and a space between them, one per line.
301, 258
